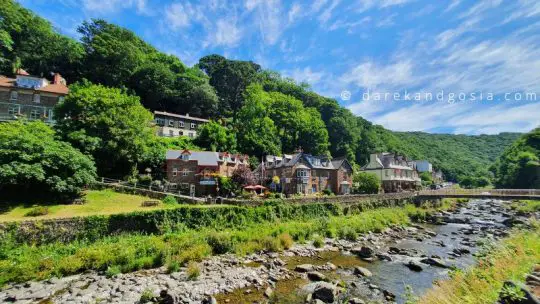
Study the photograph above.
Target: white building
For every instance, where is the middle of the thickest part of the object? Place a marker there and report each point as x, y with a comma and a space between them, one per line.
174, 125
424, 166
395, 172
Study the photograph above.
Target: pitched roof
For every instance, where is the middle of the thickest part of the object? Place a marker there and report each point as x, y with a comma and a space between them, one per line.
57, 88
203, 158
180, 116
274, 162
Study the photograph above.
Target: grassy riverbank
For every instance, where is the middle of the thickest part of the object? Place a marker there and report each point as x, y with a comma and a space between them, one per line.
511, 259
130, 252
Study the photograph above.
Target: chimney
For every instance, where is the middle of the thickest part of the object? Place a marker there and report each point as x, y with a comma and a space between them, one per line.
57, 78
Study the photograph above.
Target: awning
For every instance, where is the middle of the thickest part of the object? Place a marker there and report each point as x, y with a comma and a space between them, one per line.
345, 183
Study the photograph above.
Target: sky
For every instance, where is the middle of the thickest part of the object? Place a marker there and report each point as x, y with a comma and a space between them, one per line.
444, 66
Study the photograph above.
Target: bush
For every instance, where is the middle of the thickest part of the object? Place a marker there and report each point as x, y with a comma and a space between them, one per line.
173, 266
112, 271
32, 158
327, 192
193, 270
37, 211
285, 240
146, 296
220, 243
347, 233
318, 241
170, 200
366, 183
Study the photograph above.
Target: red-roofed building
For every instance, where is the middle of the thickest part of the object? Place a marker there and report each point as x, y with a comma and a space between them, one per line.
30, 97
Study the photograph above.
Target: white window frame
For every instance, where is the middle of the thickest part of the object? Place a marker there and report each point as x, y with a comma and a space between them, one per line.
171, 123
185, 172
14, 95
13, 110
192, 125
191, 135
181, 123
184, 157
302, 173
35, 114
174, 171
36, 98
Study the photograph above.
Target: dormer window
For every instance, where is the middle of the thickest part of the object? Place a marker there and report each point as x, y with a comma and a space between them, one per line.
171, 123
302, 173
192, 125
185, 172
316, 162
181, 123
37, 98
185, 157
14, 95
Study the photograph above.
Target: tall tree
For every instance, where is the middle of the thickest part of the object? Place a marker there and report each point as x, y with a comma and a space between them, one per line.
230, 78
108, 124
215, 137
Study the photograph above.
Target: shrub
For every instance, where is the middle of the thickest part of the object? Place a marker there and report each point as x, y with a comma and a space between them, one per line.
318, 241
37, 211
173, 266
347, 233
285, 240
194, 253
271, 243
146, 296
193, 270
170, 200
220, 243
112, 271
327, 192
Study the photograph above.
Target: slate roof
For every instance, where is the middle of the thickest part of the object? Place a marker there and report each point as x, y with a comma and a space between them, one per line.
57, 88
274, 162
203, 158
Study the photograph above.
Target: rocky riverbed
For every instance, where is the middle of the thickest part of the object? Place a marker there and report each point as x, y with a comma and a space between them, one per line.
375, 267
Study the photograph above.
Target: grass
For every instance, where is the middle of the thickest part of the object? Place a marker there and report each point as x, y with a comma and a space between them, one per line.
511, 259
526, 207
102, 202
132, 252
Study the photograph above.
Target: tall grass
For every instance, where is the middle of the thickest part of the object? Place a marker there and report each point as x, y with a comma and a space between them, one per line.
132, 252
512, 259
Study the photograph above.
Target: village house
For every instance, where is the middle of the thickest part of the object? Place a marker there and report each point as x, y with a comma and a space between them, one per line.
30, 97
196, 172
395, 172
425, 166
303, 173
174, 125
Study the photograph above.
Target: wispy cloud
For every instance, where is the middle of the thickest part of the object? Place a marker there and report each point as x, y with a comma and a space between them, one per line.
305, 75
109, 6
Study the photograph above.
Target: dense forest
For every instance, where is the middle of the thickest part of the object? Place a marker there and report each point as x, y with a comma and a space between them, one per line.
253, 111
519, 165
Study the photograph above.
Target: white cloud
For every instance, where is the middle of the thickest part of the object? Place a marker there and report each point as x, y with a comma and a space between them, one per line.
268, 15
110, 6
177, 16
226, 33
364, 5
295, 12
350, 26
327, 13
305, 75
370, 75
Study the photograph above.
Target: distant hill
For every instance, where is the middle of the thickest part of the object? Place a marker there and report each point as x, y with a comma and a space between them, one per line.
456, 155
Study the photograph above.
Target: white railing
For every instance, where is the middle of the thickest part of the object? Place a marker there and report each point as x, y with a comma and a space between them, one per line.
483, 192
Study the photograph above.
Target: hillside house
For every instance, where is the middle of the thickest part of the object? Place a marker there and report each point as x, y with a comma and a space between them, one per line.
196, 172
303, 173
395, 172
174, 125
30, 97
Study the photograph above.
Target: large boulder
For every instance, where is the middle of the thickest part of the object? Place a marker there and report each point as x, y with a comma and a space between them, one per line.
304, 268
362, 271
316, 276
434, 262
325, 292
414, 266
363, 252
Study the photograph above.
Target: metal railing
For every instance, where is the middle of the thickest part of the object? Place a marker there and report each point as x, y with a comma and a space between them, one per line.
163, 189
482, 192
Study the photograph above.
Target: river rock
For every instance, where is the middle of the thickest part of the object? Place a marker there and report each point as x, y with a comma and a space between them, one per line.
304, 268
414, 266
356, 301
325, 292
169, 298
362, 271
434, 262
363, 252
316, 276
268, 292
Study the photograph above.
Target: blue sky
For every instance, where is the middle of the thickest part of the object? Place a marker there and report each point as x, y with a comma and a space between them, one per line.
361, 52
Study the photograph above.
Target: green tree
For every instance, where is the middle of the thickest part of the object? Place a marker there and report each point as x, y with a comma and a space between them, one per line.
519, 165
34, 164
426, 177
366, 183
230, 78
108, 124
215, 137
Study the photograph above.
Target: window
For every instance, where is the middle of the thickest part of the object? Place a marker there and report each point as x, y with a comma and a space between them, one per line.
14, 95
185, 186
13, 110
181, 123
37, 98
34, 114
185, 172
185, 157
171, 123
302, 173
191, 135
160, 121
174, 171
180, 133
316, 161
192, 125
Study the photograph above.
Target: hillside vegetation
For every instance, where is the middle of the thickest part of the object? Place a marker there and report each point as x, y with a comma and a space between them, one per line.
254, 111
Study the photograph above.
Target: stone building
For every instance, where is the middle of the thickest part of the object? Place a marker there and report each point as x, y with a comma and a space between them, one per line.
196, 172
395, 172
303, 173
30, 97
